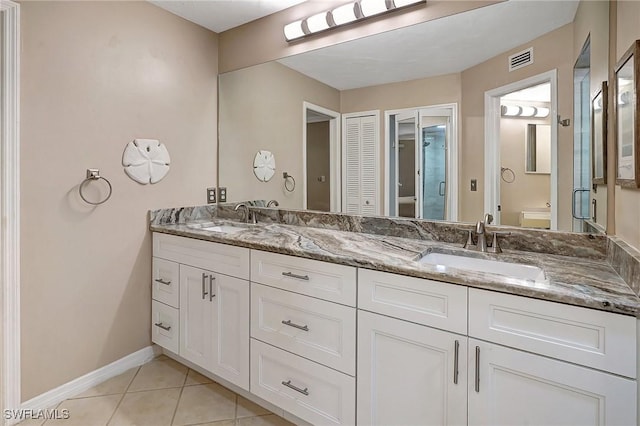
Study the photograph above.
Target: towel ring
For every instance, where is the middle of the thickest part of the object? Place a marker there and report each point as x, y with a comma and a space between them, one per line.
507, 171
94, 174
286, 177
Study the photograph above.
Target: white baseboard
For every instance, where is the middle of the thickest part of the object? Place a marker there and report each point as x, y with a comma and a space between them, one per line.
55, 396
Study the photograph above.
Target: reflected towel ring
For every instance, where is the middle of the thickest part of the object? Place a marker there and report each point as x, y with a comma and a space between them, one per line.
286, 177
94, 174
507, 171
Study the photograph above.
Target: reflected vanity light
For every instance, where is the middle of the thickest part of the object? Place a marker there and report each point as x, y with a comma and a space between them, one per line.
523, 111
343, 15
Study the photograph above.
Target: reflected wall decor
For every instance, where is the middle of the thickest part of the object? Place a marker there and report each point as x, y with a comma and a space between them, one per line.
626, 118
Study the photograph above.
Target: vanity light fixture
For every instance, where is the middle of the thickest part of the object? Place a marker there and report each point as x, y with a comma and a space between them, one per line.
294, 30
523, 111
317, 23
343, 15
372, 7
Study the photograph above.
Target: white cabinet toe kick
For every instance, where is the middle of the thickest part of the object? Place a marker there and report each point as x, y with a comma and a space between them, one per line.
336, 345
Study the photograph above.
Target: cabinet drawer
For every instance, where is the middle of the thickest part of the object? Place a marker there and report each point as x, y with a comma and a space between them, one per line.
328, 281
222, 258
596, 339
165, 276
315, 393
322, 331
418, 300
165, 326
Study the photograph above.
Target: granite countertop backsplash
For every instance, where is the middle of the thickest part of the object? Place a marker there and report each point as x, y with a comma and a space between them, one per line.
576, 265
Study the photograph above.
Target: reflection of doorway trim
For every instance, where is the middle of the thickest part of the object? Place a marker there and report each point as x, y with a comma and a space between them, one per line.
10, 207
334, 154
452, 157
492, 142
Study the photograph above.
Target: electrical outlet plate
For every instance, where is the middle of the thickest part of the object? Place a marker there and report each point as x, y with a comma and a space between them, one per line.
211, 195
223, 194
474, 185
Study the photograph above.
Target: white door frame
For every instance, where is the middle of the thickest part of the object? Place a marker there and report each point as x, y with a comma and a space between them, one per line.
10, 208
492, 142
334, 155
452, 157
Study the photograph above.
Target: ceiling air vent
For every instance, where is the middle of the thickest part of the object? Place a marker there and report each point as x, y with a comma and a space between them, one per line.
521, 59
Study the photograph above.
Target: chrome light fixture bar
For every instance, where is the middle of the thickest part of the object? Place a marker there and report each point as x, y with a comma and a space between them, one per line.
343, 15
523, 111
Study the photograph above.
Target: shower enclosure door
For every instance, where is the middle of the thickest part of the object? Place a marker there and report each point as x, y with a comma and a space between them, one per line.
435, 127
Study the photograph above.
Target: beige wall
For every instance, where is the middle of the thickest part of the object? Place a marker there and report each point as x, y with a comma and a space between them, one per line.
592, 20
627, 201
528, 190
551, 51
318, 164
263, 40
261, 109
96, 75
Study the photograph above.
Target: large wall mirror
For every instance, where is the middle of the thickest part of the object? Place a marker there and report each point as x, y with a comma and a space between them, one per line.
397, 118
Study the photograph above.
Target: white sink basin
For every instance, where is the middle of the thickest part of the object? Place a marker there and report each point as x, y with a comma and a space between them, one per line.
220, 228
514, 270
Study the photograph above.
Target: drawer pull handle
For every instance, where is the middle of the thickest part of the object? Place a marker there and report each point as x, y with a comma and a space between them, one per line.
288, 384
211, 295
162, 326
478, 369
456, 351
292, 275
161, 281
204, 289
294, 325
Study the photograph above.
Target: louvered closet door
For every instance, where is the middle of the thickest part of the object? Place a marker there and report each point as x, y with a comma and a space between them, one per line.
361, 165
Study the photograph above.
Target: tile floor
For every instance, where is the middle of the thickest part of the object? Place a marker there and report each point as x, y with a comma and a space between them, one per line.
161, 392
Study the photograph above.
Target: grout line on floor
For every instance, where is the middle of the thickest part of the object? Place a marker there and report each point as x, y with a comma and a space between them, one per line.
175, 410
123, 394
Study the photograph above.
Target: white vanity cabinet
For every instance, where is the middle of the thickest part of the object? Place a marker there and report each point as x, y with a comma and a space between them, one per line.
211, 319
408, 373
511, 387
303, 337
555, 381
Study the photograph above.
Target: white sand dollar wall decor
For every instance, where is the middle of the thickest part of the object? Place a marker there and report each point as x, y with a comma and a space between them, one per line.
264, 166
146, 160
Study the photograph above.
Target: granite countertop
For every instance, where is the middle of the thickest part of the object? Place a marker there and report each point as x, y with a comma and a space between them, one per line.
575, 281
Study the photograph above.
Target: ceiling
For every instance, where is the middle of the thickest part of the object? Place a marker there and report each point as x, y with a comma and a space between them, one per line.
221, 15
442, 46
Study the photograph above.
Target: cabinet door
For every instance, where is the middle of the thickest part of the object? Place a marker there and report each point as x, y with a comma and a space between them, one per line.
510, 387
407, 373
196, 316
231, 329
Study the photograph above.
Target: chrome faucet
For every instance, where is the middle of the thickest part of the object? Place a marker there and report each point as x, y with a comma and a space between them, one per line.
274, 203
481, 234
248, 214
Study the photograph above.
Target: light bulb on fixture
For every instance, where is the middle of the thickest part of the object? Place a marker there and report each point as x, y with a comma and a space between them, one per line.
293, 30
403, 3
510, 110
527, 111
344, 14
372, 7
318, 22
541, 112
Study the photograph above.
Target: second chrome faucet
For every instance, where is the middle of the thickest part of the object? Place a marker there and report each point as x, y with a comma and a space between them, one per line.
481, 235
